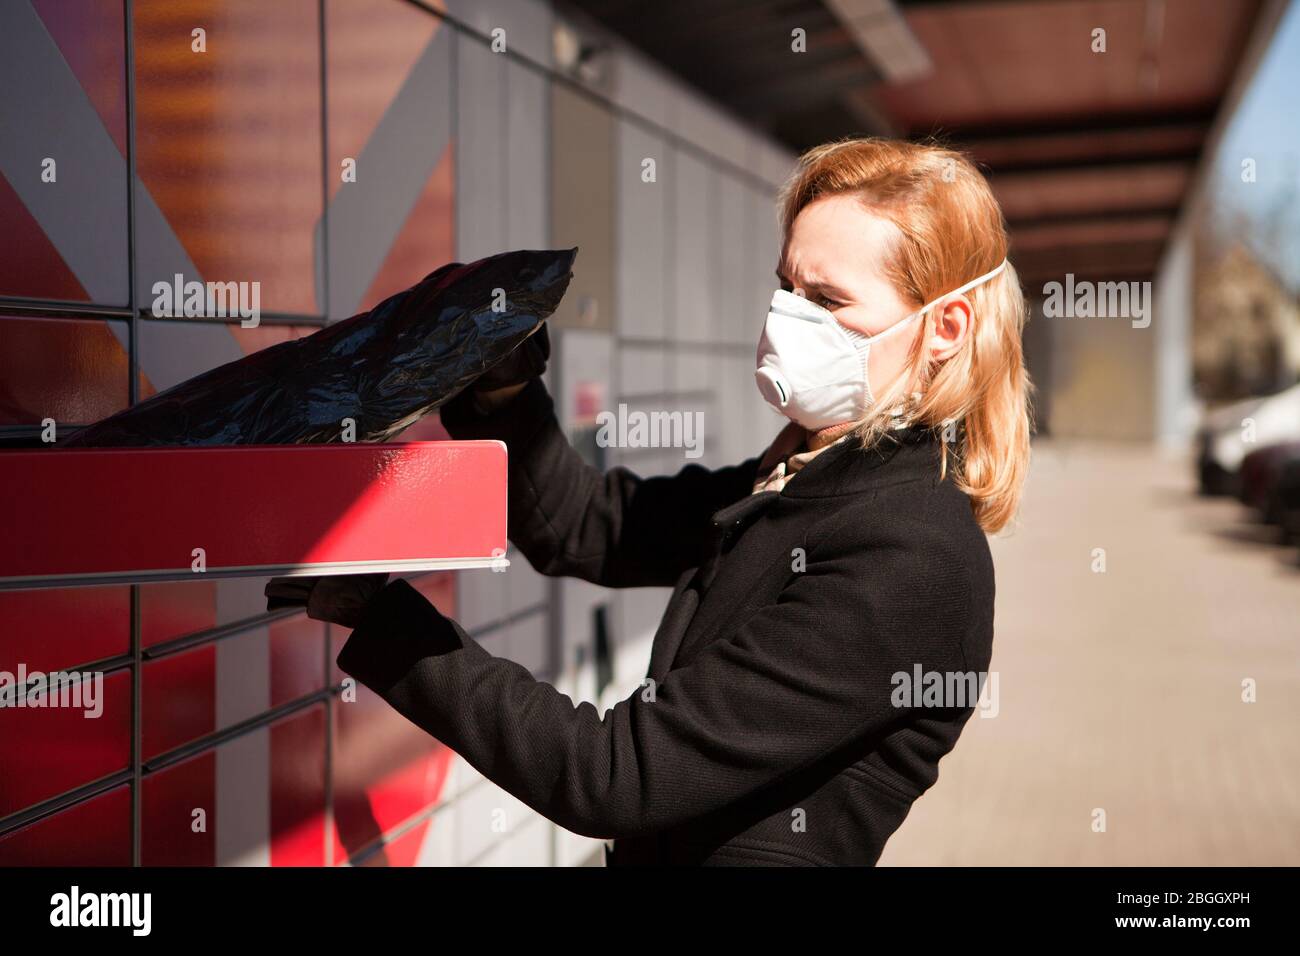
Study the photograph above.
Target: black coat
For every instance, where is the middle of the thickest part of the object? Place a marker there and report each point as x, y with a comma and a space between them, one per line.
766, 733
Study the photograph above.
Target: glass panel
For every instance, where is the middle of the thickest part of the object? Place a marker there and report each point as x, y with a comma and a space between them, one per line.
178, 816
169, 611
389, 119
61, 748
427, 843
63, 195
260, 799
51, 628
195, 692
228, 145
179, 699
95, 832
386, 770
72, 370
173, 351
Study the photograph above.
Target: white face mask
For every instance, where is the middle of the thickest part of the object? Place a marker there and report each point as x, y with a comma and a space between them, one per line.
814, 370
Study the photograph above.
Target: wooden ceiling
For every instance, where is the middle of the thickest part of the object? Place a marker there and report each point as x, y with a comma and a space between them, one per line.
1091, 154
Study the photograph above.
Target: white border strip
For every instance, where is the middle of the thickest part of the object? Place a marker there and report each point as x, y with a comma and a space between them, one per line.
292, 570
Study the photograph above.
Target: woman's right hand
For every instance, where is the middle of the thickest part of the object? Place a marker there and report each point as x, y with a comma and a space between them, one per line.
490, 401
503, 381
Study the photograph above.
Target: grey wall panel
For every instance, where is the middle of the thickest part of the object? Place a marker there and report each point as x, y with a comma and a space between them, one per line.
637, 614
696, 393
772, 162
83, 212
366, 216
736, 412
585, 357
527, 176
692, 249
578, 603
643, 387
528, 644
527, 588
527, 23
708, 127
640, 86
762, 254
526, 842
482, 596
486, 817
643, 371
731, 289
640, 239
481, 207
582, 205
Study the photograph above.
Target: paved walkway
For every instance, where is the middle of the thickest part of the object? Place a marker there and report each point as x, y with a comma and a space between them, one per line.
1122, 691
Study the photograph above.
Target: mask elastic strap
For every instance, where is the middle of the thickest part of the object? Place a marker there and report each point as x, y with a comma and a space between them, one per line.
965, 288
929, 305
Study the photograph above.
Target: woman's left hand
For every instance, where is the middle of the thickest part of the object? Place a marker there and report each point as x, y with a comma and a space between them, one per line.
337, 598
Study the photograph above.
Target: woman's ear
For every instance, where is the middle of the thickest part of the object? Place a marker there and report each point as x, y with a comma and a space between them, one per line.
951, 326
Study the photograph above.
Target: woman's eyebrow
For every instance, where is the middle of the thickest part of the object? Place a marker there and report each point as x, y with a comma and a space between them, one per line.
830, 290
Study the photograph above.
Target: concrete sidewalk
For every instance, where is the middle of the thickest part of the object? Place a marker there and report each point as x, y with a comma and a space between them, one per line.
1123, 690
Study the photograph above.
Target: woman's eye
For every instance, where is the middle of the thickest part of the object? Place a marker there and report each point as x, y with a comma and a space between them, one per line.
819, 300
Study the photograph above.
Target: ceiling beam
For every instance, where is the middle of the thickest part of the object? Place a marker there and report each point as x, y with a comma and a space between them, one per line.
1088, 125
1104, 214
1105, 260
1187, 156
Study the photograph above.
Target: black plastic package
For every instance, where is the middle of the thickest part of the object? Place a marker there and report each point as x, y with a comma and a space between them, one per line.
384, 368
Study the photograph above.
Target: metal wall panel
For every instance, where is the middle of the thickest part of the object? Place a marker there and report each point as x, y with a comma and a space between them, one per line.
63, 181
62, 748
233, 176
95, 832
73, 371
255, 800
642, 217
54, 628
582, 205
693, 188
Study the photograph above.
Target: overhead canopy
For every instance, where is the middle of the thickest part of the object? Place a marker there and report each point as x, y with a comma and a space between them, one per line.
1091, 153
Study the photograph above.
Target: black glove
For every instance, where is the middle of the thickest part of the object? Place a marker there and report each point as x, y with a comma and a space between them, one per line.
526, 362
337, 598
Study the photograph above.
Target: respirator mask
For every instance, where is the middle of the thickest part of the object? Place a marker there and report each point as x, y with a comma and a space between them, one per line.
812, 369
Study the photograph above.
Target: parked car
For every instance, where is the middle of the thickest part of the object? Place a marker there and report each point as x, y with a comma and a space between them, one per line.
1259, 474
1229, 433
1284, 500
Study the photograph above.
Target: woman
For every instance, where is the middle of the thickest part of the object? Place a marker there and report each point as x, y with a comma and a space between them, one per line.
812, 586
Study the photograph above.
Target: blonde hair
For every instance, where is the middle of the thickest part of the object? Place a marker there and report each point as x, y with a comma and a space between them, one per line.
951, 231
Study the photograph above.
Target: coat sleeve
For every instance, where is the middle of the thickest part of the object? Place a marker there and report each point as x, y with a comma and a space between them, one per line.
567, 518
810, 673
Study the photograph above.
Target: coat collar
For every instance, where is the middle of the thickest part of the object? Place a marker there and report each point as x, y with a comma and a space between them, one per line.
847, 468
844, 468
